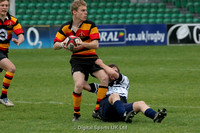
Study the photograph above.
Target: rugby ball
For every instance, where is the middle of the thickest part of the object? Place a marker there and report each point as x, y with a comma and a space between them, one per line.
72, 42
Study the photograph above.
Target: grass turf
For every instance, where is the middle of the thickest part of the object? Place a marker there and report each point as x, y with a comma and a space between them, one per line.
162, 76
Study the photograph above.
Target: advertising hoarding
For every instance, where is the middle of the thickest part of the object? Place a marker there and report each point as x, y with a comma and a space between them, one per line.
183, 34
110, 35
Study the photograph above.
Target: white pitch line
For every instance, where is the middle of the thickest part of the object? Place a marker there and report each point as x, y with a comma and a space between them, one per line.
186, 69
50, 102
190, 107
92, 104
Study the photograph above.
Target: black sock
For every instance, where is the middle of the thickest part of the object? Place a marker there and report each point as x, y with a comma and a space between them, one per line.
94, 87
3, 96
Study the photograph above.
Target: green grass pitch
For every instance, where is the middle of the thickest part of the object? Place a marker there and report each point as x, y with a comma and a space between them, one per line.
162, 76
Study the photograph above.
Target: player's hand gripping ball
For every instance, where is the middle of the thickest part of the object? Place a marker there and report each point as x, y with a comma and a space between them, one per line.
72, 42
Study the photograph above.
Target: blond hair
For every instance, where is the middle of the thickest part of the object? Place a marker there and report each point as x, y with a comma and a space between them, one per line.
4, 0
76, 4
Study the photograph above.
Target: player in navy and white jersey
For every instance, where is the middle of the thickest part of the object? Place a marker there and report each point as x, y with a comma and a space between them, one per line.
114, 106
120, 85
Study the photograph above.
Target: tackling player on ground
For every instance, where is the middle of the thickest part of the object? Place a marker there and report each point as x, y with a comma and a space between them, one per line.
114, 106
84, 56
8, 24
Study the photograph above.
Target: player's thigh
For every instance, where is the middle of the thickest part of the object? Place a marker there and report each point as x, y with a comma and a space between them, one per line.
102, 76
7, 65
79, 79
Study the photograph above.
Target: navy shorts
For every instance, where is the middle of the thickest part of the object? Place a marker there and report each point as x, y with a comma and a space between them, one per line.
86, 66
109, 113
3, 54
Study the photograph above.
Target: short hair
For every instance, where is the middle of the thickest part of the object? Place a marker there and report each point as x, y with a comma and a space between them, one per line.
4, 0
76, 4
114, 65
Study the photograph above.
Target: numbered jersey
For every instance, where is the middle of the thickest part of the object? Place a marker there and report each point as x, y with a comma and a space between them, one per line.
120, 86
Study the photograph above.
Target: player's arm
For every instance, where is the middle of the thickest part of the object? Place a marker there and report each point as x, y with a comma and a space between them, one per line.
90, 45
60, 45
112, 73
19, 40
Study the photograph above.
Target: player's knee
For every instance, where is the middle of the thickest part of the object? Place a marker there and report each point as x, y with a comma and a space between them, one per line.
11, 69
115, 95
79, 85
138, 104
141, 103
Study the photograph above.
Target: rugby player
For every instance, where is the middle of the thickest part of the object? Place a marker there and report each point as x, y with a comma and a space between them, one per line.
84, 56
114, 106
8, 24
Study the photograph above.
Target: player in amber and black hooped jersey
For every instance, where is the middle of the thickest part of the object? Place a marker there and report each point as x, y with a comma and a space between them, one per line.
84, 56
114, 106
8, 24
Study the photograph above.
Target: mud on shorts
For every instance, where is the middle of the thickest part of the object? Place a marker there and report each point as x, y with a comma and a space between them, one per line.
86, 66
3, 54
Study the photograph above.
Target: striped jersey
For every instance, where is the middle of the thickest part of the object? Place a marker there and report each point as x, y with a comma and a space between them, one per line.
87, 31
120, 86
9, 25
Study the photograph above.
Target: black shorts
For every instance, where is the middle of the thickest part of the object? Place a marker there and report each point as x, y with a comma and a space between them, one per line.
86, 66
3, 54
109, 113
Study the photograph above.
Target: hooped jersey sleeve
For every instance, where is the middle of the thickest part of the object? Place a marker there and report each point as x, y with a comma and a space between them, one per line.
10, 25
